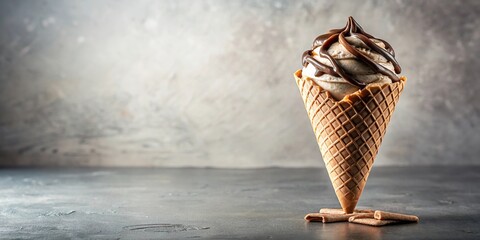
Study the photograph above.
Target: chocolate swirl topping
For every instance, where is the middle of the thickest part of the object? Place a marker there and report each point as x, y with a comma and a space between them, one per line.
352, 29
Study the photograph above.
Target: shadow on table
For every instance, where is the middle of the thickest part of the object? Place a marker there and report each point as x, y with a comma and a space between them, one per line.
344, 230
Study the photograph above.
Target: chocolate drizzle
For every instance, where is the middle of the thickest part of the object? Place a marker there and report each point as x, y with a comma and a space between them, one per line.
352, 29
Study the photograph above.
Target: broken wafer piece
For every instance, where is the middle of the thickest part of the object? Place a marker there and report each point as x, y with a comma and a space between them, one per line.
360, 215
380, 215
340, 211
374, 222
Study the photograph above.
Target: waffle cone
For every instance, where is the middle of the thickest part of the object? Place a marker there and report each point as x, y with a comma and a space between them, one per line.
349, 132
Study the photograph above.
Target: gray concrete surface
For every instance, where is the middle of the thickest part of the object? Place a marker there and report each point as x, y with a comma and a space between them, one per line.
209, 83
229, 204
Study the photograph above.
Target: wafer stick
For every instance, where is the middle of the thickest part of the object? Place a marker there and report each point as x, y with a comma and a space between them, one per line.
380, 215
340, 211
327, 218
360, 215
373, 222
314, 217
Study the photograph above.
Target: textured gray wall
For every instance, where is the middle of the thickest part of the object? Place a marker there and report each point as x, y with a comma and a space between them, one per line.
209, 83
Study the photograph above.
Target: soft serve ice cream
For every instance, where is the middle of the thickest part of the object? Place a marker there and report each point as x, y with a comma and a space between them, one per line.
345, 60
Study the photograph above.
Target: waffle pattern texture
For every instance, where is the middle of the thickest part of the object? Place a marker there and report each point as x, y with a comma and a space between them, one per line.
349, 132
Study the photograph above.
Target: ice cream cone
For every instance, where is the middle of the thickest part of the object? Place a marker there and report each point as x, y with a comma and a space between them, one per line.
349, 132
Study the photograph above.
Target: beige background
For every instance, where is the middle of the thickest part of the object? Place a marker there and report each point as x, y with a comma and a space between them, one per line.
209, 83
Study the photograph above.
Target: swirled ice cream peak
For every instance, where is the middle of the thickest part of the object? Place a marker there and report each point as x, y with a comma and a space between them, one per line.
350, 59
